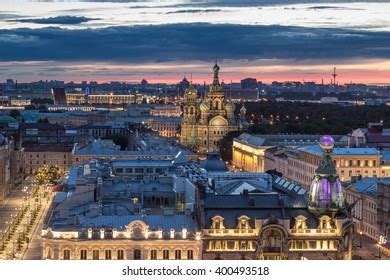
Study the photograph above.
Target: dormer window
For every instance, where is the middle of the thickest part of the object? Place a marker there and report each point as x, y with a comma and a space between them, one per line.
243, 222
325, 222
300, 222
218, 222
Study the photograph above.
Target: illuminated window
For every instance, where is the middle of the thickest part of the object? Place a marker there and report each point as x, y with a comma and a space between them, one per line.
66, 254
108, 255
83, 254
190, 254
95, 254
300, 222
218, 222
243, 222
120, 254
153, 254
166, 254
177, 254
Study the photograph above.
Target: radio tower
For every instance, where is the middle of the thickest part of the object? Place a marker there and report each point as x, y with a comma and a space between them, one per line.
334, 75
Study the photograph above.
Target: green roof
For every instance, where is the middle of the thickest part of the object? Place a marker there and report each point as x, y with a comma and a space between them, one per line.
7, 119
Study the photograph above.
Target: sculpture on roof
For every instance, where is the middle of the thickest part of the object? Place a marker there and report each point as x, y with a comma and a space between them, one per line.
326, 194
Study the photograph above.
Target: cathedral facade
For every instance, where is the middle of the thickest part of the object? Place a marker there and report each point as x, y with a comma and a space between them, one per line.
206, 121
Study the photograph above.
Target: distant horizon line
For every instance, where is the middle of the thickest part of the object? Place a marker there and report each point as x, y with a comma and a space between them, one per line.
196, 82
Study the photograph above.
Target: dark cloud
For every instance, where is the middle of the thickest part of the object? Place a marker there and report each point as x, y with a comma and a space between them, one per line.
332, 8
191, 42
56, 20
194, 11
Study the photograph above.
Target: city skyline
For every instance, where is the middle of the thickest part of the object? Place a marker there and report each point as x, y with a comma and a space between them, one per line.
162, 41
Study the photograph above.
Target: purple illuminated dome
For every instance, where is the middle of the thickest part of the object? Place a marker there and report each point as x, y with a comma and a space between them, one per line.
326, 194
326, 142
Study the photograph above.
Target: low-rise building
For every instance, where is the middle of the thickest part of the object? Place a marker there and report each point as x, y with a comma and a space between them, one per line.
105, 216
248, 150
374, 136
37, 156
301, 163
283, 222
165, 126
106, 149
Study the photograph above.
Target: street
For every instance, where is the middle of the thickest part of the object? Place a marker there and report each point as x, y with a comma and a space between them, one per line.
21, 214
368, 250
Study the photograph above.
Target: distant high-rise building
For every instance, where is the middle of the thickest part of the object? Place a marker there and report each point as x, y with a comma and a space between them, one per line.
59, 96
249, 83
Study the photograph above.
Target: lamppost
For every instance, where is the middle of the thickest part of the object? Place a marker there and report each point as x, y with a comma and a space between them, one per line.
380, 243
361, 239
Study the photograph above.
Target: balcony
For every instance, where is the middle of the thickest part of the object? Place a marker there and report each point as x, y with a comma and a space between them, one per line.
239, 232
313, 231
272, 249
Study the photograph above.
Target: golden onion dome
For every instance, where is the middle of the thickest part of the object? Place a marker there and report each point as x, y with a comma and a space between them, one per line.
204, 106
230, 106
191, 91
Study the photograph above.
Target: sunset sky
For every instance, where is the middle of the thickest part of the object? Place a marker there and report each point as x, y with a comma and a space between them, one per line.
162, 41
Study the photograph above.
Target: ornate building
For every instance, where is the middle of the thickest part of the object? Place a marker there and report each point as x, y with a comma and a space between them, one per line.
207, 121
283, 223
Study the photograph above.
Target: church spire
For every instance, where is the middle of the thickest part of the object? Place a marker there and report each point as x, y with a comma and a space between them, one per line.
216, 71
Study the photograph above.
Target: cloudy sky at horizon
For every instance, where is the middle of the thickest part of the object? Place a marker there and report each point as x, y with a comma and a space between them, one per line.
165, 40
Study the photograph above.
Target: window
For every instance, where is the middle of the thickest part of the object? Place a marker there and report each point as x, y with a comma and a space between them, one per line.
177, 254
95, 254
190, 254
153, 254
166, 254
119, 170
218, 222
137, 254
108, 255
67, 254
120, 255
139, 170
129, 170
83, 254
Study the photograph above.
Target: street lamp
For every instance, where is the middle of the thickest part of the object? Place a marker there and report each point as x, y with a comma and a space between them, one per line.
380, 243
361, 239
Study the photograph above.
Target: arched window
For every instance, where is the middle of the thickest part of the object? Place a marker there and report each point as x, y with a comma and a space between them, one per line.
243, 222
48, 253
300, 222
153, 254
272, 238
325, 222
191, 110
120, 254
166, 254
66, 254
83, 254
217, 222
137, 254
190, 254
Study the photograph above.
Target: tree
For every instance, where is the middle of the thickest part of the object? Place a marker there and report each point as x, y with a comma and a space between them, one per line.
15, 114
226, 144
48, 174
120, 140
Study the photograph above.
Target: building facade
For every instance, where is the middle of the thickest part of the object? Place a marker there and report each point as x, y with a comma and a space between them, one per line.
248, 150
37, 156
207, 121
283, 223
100, 99
350, 162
